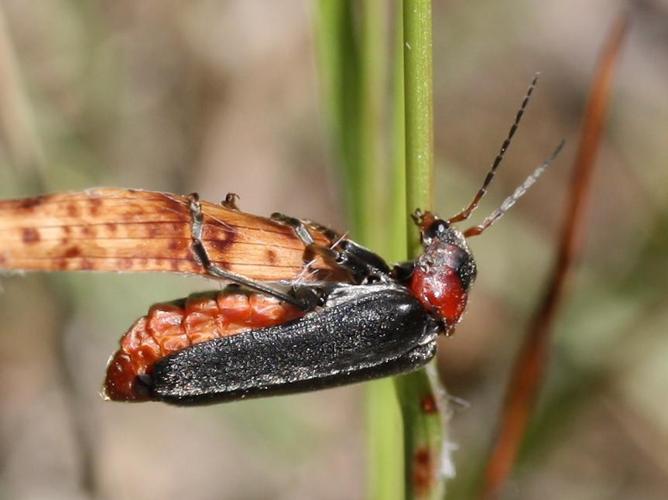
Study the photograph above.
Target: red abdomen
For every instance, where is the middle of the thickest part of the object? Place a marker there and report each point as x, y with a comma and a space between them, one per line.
173, 326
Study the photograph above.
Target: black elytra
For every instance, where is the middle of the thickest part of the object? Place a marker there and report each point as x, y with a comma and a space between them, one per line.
363, 332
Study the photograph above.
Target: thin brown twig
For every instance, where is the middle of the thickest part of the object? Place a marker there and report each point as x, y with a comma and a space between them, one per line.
530, 365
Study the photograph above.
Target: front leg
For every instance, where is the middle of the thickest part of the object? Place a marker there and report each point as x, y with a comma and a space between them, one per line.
361, 263
302, 232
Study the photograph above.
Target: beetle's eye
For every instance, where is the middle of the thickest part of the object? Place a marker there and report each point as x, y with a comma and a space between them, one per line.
437, 229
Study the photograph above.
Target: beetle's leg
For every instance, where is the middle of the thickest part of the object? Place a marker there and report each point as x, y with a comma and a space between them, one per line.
360, 262
230, 201
216, 271
301, 231
329, 233
333, 255
298, 227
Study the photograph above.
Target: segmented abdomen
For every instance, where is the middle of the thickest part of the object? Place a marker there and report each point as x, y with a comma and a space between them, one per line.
173, 326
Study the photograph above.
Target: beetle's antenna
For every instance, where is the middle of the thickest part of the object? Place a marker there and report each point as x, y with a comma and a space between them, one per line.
517, 194
466, 213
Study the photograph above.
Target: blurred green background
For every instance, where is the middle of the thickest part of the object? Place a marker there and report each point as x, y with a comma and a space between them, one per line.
223, 96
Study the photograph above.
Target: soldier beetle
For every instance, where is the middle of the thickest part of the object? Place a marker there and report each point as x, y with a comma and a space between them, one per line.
308, 308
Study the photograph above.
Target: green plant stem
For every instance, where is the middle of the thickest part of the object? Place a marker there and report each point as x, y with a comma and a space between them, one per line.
418, 109
423, 429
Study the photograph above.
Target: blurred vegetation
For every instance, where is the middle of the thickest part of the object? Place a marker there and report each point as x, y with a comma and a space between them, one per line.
353, 71
216, 97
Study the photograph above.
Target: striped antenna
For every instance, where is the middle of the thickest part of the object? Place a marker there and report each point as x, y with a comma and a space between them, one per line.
466, 213
517, 194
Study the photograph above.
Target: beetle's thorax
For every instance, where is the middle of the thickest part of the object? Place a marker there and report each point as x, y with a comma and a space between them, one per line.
445, 271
